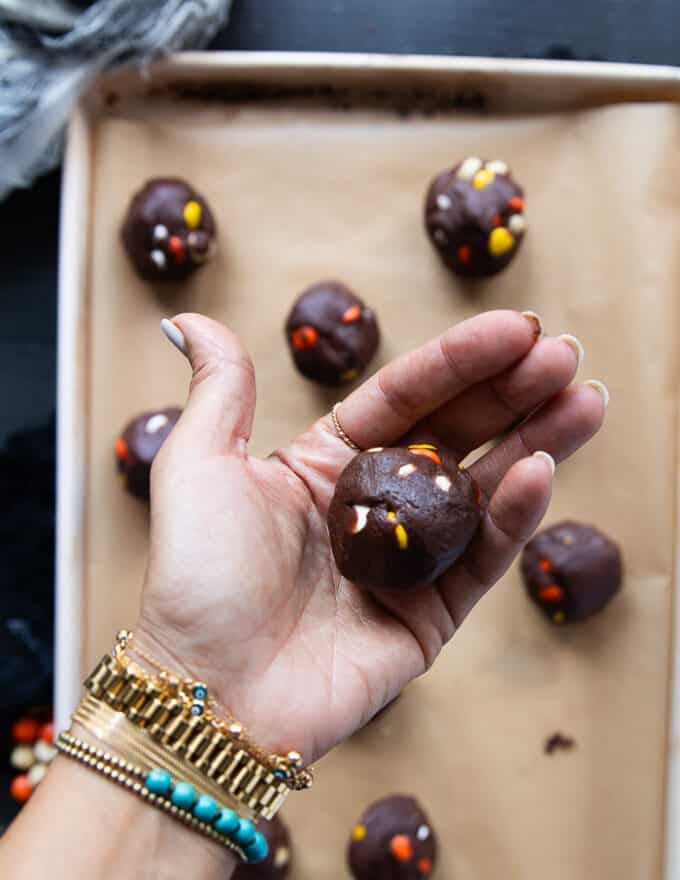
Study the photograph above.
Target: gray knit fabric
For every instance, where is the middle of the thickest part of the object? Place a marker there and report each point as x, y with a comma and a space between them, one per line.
44, 73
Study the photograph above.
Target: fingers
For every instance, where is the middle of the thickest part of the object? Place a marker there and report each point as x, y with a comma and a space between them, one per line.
407, 390
218, 415
560, 428
514, 512
493, 407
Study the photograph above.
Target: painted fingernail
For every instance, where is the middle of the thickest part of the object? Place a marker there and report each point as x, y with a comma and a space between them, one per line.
601, 388
574, 343
174, 334
547, 458
536, 322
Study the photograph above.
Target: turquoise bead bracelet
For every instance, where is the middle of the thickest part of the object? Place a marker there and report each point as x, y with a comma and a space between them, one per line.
182, 794
178, 798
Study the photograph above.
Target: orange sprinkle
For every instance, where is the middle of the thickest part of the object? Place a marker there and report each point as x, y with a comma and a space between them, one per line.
425, 866
20, 788
121, 449
353, 313
428, 453
47, 733
551, 593
516, 203
464, 254
496, 220
25, 731
545, 565
401, 848
177, 248
304, 337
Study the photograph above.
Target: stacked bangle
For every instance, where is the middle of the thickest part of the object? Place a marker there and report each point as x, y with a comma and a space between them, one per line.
176, 797
167, 740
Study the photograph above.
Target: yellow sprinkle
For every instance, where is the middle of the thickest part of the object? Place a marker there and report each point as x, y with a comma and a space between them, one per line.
567, 539
358, 832
192, 214
402, 536
422, 446
558, 617
391, 516
483, 178
500, 241
348, 375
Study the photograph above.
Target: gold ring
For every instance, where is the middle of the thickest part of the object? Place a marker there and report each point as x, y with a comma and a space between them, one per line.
340, 431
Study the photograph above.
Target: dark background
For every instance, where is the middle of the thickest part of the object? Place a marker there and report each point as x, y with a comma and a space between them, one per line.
642, 31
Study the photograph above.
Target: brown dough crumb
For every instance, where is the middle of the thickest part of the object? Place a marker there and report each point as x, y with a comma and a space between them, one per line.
558, 741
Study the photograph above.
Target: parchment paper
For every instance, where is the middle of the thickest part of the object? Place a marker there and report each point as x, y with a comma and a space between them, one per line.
311, 193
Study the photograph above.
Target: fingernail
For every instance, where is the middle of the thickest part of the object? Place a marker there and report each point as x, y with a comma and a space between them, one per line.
574, 343
174, 334
547, 458
601, 388
537, 323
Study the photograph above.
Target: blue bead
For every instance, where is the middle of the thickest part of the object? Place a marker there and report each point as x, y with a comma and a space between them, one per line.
258, 849
199, 692
158, 781
227, 822
205, 808
245, 833
280, 774
196, 709
183, 795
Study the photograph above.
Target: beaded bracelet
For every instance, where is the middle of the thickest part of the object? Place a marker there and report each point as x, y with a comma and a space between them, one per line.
175, 797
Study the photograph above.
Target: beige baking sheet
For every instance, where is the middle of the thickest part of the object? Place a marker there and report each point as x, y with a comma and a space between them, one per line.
303, 194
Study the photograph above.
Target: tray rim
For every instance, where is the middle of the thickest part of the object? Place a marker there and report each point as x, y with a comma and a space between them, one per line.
570, 84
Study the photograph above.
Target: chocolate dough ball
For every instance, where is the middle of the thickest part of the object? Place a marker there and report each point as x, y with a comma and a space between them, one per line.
169, 230
332, 334
393, 840
474, 217
275, 866
571, 571
138, 445
400, 517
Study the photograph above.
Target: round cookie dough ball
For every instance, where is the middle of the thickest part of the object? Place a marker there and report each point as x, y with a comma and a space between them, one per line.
393, 840
277, 863
138, 445
401, 517
168, 231
571, 571
332, 334
474, 216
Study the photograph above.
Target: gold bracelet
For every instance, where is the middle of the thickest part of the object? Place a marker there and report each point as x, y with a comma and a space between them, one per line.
198, 702
132, 777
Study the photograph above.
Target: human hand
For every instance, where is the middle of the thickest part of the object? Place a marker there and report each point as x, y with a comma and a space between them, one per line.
242, 590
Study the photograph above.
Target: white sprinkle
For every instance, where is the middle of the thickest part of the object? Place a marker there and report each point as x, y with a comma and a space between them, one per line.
281, 857
22, 757
443, 202
159, 258
43, 751
160, 232
497, 166
440, 236
423, 832
517, 223
443, 482
469, 167
406, 469
375, 449
362, 515
37, 773
155, 423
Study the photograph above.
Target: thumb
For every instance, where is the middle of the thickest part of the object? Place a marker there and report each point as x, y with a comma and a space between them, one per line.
218, 415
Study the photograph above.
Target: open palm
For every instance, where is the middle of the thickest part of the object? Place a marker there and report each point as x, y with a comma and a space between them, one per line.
242, 590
